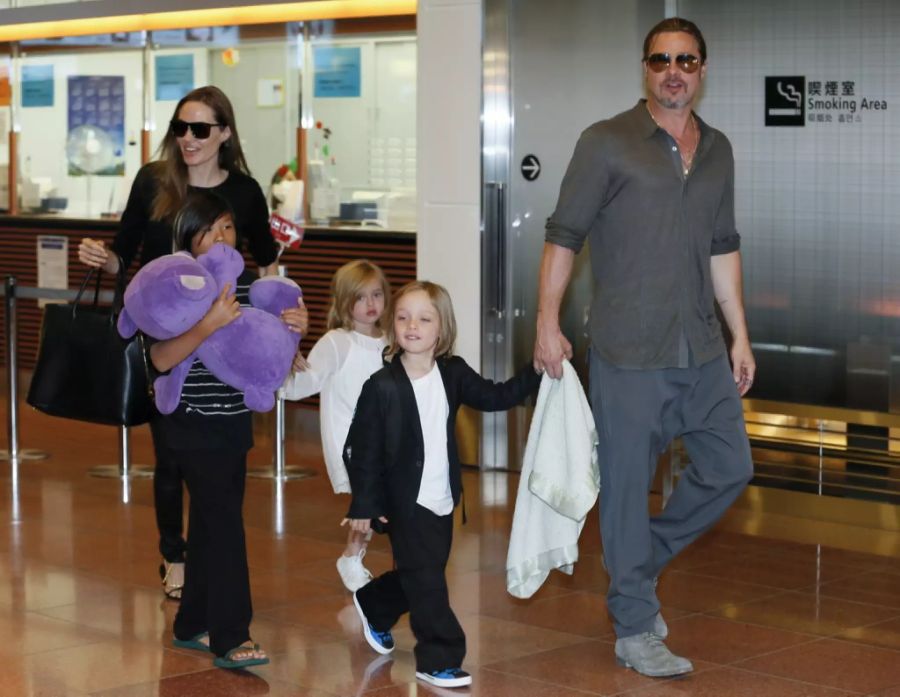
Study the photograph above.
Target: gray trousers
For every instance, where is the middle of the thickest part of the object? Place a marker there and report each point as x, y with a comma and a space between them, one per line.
638, 413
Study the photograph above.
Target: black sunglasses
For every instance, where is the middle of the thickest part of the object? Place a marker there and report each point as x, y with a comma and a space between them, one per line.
686, 62
200, 129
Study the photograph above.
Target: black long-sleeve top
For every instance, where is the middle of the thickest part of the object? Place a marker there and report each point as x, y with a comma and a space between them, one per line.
154, 237
385, 449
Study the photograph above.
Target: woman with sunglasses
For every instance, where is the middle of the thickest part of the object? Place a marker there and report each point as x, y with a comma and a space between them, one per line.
200, 151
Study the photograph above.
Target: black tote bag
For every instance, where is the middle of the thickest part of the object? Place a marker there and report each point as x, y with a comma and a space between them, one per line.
85, 370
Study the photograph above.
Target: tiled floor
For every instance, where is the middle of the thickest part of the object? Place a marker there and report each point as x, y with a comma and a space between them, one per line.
81, 610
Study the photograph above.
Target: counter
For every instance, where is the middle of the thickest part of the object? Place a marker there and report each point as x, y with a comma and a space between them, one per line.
312, 265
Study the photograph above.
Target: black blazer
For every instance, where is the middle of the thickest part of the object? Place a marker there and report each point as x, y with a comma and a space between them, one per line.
385, 450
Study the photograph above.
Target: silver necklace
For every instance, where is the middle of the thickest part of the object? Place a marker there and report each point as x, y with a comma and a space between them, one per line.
686, 161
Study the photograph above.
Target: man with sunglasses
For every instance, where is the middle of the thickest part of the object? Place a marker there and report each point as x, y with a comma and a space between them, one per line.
653, 190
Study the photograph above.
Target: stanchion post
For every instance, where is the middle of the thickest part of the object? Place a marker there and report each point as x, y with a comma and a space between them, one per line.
280, 471
279, 437
14, 454
124, 451
12, 378
124, 469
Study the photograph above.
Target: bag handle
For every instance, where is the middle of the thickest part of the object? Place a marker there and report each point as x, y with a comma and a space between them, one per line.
118, 295
81, 289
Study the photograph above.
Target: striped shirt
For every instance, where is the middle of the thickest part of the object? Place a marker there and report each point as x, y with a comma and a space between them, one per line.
210, 415
203, 393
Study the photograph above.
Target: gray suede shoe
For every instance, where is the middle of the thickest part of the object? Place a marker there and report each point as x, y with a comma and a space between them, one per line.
648, 655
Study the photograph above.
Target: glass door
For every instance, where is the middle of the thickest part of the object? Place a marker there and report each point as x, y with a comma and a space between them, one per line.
550, 70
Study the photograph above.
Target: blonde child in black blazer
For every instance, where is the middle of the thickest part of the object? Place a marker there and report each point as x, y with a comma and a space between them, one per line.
404, 468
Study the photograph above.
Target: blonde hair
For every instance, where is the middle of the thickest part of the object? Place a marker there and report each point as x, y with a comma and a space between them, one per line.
346, 284
440, 298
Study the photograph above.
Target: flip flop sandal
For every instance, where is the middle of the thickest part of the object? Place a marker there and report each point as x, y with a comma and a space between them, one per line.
193, 643
172, 591
230, 663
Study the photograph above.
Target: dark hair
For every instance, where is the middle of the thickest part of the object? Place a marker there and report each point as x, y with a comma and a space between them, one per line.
171, 172
200, 210
674, 24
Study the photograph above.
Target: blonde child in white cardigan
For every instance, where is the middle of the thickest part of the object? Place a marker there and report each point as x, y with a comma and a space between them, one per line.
336, 367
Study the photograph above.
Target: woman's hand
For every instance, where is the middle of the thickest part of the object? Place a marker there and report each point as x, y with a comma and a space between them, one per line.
94, 253
296, 318
224, 310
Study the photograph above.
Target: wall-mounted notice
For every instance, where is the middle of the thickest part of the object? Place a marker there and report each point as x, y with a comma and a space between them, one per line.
269, 92
337, 71
174, 76
98, 102
52, 264
37, 85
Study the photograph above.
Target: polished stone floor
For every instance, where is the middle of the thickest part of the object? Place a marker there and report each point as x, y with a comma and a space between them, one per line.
764, 606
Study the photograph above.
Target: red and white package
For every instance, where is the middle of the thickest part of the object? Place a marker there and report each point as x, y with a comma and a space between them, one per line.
288, 234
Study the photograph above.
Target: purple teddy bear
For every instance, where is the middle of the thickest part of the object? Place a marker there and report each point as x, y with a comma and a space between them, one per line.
253, 353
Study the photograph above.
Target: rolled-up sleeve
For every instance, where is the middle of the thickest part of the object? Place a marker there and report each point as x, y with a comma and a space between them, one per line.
725, 235
581, 194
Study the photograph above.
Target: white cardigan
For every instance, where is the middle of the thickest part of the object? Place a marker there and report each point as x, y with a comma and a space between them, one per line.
340, 362
559, 484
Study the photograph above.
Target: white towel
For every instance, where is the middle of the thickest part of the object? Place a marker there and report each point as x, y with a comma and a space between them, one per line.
558, 486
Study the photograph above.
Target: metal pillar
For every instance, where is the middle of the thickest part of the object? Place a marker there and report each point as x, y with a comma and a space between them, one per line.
124, 469
279, 470
14, 453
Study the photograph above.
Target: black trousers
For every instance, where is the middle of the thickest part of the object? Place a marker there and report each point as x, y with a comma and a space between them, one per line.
168, 498
418, 585
216, 595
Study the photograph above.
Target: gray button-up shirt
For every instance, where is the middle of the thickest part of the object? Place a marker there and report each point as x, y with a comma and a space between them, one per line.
652, 232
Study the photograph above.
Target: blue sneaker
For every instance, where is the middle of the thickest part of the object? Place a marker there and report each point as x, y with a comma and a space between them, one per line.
449, 677
382, 642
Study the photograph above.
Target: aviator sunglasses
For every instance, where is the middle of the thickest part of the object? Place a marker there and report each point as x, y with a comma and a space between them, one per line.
686, 62
200, 129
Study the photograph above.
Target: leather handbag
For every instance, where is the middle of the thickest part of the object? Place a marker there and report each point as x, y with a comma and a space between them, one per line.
85, 370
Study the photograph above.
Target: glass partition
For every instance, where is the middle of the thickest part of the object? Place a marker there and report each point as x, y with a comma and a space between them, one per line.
79, 107
362, 144
91, 110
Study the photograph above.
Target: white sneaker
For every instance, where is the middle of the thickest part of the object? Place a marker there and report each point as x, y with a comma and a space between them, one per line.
353, 573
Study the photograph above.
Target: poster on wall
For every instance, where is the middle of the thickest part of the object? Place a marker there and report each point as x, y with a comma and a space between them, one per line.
174, 76
37, 85
52, 264
96, 135
270, 92
337, 71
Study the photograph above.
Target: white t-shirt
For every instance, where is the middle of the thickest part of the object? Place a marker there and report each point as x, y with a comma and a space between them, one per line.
431, 401
340, 362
